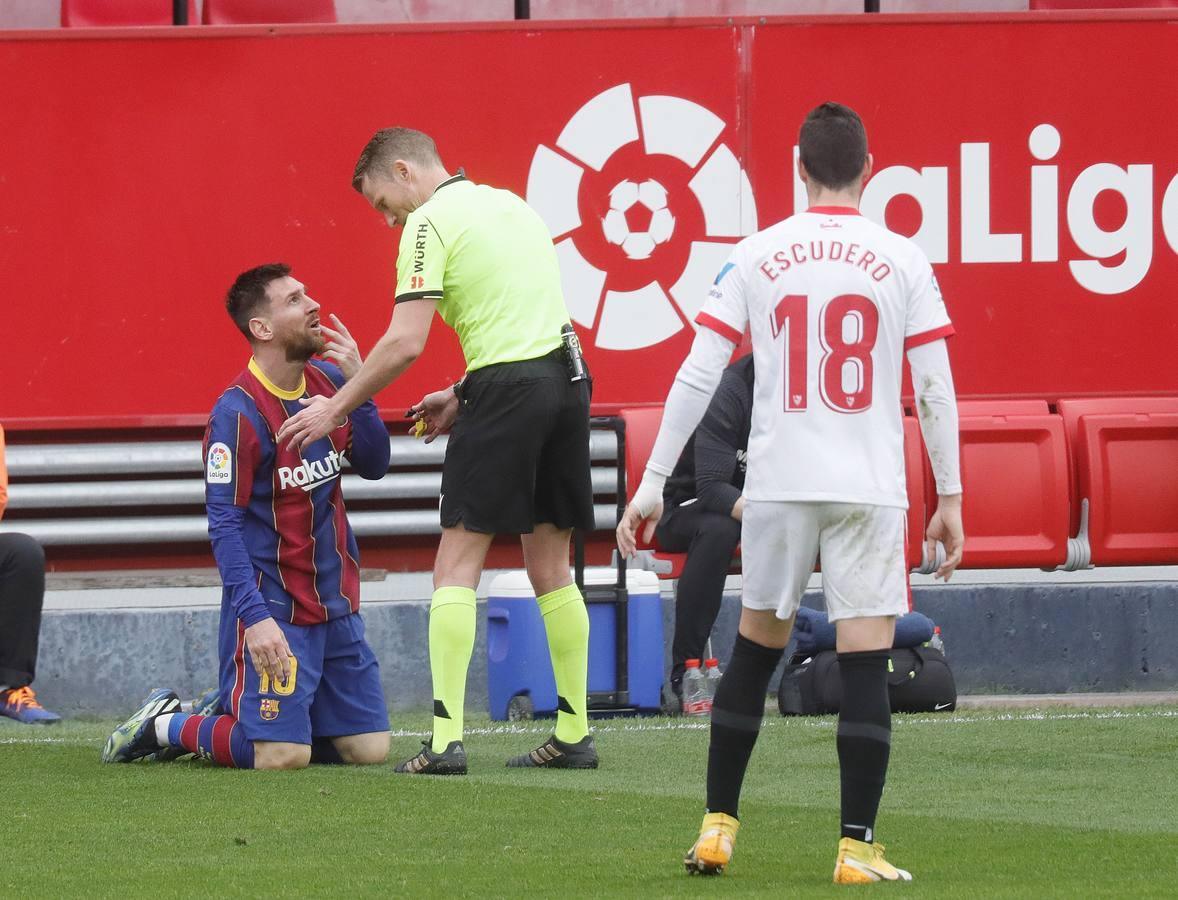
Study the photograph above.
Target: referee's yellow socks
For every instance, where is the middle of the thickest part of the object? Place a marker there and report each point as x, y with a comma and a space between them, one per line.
451, 640
566, 622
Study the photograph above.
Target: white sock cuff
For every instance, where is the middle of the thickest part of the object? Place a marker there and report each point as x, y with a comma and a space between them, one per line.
161, 724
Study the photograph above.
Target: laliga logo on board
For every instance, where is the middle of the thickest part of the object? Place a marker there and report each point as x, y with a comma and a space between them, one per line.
660, 226
644, 204
1116, 258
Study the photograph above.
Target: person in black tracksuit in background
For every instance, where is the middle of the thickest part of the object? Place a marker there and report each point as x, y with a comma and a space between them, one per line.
703, 506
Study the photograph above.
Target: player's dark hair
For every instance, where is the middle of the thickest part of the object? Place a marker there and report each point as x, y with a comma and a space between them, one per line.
391, 144
833, 145
248, 293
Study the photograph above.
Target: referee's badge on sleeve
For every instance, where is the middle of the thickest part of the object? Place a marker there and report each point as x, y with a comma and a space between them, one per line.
219, 467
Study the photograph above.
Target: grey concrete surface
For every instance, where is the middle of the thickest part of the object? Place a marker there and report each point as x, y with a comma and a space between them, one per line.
1000, 638
1040, 638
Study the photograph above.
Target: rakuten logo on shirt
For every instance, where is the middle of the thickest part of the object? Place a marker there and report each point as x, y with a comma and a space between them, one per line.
311, 474
1115, 261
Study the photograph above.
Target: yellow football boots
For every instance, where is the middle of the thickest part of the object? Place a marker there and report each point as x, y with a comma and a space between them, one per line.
860, 863
711, 852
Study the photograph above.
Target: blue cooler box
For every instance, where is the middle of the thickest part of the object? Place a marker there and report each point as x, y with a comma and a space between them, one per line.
518, 665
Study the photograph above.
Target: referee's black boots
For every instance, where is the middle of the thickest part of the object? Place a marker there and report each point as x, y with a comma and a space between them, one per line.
451, 761
556, 754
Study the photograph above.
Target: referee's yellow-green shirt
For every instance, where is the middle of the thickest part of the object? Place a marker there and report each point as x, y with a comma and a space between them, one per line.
487, 258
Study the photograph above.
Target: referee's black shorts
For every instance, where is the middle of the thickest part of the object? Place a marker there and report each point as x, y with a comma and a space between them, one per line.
518, 454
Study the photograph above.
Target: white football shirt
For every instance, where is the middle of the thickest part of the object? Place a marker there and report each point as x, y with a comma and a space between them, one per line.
832, 300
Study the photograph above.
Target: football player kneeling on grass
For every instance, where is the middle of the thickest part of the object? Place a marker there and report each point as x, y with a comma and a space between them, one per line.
298, 681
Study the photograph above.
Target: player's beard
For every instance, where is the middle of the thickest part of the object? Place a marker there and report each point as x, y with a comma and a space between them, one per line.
305, 346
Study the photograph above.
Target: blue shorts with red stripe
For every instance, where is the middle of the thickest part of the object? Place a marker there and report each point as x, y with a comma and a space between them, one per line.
333, 690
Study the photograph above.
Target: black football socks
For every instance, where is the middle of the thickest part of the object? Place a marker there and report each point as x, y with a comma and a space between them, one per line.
737, 710
864, 739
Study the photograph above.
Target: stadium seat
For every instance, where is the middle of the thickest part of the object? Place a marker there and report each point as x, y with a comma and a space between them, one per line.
1002, 408
642, 427
1072, 410
1125, 468
1014, 473
108, 13
267, 12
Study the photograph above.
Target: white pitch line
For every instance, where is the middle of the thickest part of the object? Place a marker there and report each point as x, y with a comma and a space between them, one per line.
702, 724
600, 728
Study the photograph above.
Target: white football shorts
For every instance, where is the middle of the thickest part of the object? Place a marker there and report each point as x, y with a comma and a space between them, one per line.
864, 570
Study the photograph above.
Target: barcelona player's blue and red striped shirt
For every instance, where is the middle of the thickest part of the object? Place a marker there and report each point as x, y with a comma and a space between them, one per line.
280, 533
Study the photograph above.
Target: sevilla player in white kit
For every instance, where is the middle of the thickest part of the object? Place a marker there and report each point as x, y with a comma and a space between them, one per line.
833, 303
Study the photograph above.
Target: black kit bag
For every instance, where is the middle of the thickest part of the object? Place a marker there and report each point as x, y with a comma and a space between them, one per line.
919, 680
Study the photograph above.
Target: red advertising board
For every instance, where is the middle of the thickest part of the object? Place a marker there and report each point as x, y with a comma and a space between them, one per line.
140, 172
1047, 169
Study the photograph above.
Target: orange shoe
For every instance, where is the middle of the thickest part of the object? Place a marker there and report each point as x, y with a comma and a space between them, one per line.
21, 704
712, 850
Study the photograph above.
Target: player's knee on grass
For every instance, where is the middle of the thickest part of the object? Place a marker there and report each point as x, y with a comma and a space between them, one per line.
275, 755
363, 749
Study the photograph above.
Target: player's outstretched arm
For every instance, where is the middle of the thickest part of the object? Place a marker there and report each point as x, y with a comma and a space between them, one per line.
392, 355
936, 409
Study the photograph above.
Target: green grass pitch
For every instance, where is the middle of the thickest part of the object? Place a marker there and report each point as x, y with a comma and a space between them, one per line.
1055, 803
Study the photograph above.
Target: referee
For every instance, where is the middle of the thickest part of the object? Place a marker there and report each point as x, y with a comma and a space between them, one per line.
517, 461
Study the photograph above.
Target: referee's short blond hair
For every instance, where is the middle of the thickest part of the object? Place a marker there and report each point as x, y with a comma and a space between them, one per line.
391, 144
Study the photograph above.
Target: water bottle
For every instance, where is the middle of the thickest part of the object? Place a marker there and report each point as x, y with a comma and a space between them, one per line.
695, 698
711, 679
935, 641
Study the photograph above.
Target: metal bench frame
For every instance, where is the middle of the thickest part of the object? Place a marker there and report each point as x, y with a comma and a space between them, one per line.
94, 494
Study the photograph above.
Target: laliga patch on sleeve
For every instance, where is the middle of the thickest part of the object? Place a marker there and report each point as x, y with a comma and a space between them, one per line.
219, 467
